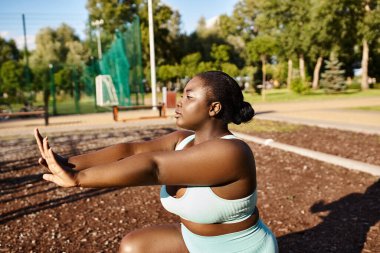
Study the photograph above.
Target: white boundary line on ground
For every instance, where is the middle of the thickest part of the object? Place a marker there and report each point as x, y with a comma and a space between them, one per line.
332, 159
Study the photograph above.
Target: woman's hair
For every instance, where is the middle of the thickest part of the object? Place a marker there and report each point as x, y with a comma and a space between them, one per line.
224, 89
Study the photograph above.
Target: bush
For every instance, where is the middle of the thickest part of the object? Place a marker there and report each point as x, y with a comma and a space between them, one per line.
354, 85
299, 86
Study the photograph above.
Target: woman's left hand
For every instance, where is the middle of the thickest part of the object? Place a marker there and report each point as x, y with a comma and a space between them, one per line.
42, 160
61, 174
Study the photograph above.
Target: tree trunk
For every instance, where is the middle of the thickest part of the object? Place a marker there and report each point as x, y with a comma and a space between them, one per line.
264, 74
365, 65
302, 68
317, 69
290, 71
263, 67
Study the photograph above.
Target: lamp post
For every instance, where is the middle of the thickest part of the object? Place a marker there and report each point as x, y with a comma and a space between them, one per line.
152, 56
98, 23
52, 88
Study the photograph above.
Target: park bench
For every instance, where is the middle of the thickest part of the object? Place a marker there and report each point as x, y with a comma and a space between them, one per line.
115, 109
41, 113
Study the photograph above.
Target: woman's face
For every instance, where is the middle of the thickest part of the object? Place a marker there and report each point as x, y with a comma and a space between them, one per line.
193, 108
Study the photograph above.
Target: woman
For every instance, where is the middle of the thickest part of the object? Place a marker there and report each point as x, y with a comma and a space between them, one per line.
208, 175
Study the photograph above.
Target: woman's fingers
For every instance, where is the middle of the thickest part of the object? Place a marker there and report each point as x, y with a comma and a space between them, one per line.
39, 141
48, 177
43, 162
46, 146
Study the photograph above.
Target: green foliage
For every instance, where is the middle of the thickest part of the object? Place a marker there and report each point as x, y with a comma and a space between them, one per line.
230, 69
220, 54
114, 14
205, 66
11, 78
248, 71
260, 47
63, 79
277, 72
299, 86
333, 77
56, 48
189, 64
8, 51
168, 72
10, 70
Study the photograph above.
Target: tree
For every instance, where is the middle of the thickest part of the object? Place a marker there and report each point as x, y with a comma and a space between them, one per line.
56, 50
11, 78
259, 49
167, 73
8, 54
220, 53
230, 69
333, 77
8, 51
321, 36
189, 64
368, 31
114, 13
166, 26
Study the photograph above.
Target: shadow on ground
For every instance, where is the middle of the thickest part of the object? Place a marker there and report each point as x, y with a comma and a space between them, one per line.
343, 230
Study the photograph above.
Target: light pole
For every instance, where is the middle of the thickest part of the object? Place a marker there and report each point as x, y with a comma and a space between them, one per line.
52, 88
98, 23
152, 56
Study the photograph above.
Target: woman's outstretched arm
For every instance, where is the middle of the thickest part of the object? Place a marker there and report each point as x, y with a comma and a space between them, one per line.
113, 153
212, 163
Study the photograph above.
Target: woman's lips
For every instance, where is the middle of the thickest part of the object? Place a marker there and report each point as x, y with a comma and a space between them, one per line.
177, 114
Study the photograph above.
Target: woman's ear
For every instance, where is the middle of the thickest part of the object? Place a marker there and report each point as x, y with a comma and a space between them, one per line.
215, 108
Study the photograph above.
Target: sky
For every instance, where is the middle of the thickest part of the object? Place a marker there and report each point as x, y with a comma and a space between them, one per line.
44, 13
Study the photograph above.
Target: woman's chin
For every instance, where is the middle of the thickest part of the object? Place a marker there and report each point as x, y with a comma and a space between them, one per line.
179, 121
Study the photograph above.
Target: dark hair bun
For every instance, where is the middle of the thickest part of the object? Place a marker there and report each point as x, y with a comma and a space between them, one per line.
245, 114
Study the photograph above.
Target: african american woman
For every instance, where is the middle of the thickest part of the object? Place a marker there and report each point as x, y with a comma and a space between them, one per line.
208, 176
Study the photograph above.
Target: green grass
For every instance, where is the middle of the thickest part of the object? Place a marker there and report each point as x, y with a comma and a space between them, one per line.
264, 126
285, 95
67, 106
86, 105
368, 108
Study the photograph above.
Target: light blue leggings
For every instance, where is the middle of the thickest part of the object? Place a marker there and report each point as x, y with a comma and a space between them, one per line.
257, 239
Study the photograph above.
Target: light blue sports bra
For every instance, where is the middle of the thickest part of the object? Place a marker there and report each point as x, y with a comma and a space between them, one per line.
202, 205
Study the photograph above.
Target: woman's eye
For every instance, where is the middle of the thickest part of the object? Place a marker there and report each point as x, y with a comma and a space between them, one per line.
188, 97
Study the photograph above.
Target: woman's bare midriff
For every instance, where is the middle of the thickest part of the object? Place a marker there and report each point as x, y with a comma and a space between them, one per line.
220, 229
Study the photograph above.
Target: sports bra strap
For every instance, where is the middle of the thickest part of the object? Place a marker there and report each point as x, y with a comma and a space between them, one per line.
229, 136
190, 138
184, 142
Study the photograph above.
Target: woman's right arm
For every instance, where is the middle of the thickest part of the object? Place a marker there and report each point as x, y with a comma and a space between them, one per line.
116, 152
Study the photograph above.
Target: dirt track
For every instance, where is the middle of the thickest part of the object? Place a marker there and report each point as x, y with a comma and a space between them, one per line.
311, 206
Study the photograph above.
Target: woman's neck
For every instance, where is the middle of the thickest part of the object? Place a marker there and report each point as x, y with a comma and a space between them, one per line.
210, 132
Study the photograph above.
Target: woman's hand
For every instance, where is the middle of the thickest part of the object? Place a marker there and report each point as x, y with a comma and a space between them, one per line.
42, 160
62, 174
